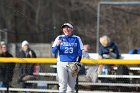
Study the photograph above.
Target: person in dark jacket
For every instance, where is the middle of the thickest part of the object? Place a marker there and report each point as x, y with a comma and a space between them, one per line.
107, 50
7, 68
26, 69
1, 68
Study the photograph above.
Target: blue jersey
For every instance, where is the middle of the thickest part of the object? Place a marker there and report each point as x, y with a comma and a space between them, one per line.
70, 48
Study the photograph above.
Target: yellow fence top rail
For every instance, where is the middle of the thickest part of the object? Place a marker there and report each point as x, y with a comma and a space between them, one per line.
84, 61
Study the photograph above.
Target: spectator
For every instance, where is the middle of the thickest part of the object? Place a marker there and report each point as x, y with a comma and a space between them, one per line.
2, 75
6, 69
85, 51
84, 55
1, 72
68, 48
91, 72
107, 50
26, 69
135, 51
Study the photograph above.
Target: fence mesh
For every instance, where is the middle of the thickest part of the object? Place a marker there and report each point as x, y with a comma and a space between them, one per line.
44, 78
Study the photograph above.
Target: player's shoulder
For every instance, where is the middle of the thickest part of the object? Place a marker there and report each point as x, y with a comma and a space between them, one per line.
76, 36
59, 36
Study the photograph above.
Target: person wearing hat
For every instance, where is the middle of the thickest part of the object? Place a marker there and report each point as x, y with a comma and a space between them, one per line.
26, 70
107, 50
68, 48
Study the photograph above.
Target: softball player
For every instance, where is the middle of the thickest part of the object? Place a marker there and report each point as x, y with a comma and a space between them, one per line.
68, 48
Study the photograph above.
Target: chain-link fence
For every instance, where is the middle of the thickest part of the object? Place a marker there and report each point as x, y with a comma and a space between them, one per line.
44, 78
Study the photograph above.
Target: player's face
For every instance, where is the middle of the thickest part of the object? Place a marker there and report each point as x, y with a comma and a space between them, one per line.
67, 31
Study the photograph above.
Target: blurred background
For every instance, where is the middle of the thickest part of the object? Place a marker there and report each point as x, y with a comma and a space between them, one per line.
39, 21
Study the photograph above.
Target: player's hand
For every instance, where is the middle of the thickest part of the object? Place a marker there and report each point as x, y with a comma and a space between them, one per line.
58, 42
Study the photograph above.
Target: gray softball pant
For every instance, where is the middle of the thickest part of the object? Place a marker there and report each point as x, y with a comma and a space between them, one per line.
66, 80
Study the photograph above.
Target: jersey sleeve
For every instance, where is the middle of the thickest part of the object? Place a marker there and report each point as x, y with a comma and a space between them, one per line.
80, 47
55, 48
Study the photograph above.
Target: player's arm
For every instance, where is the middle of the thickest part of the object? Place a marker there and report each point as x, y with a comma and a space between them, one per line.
79, 58
80, 48
56, 45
